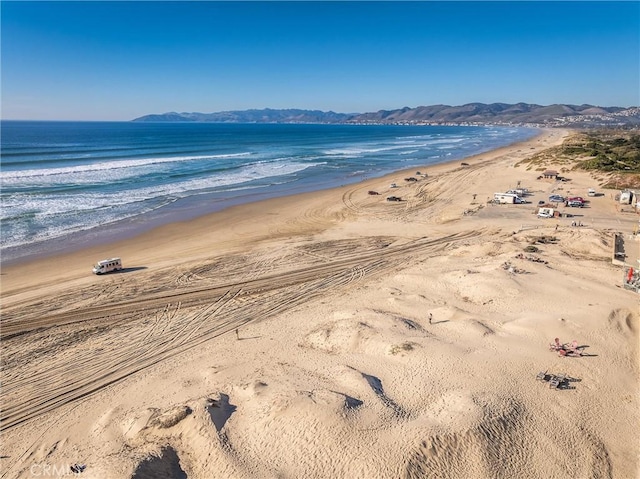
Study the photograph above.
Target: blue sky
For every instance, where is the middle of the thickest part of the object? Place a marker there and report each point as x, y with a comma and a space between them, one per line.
121, 60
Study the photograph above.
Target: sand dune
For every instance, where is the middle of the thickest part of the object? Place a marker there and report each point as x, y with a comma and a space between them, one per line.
296, 340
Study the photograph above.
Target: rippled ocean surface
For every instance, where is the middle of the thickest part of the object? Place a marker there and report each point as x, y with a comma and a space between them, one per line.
80, 180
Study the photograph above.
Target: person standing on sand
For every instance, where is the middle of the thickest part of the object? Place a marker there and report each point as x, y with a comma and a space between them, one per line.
430, 317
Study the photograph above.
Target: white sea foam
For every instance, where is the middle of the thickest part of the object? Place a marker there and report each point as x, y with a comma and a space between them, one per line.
399, 145
61, 214
357, 151
16, 204
111, 166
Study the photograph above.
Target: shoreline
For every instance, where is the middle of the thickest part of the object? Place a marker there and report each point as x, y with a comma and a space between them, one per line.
160, 208
90, 239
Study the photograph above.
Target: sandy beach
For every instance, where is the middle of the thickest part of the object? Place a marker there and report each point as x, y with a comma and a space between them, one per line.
336, 334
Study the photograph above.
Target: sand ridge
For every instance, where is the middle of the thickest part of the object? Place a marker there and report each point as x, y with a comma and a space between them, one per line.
291, 338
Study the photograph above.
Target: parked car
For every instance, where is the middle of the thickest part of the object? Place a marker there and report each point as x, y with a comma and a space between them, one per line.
394, 198
556, 199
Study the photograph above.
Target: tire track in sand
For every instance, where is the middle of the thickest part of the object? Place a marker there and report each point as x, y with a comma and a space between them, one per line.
62, 377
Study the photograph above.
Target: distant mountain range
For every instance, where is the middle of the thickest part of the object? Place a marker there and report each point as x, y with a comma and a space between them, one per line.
267, 115
469, 114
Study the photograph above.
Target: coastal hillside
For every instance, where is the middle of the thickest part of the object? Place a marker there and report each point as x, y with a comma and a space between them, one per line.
559, 115
611, 156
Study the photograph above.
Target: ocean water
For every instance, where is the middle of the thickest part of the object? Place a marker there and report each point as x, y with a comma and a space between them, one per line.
68, 184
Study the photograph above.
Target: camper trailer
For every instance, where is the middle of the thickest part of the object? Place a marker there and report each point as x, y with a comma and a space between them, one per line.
107, 265
625, 197
545, 213
507, 198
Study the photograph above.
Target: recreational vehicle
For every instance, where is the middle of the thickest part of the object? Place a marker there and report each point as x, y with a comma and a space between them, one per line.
545, 213
625, 197
107, 265
507, 198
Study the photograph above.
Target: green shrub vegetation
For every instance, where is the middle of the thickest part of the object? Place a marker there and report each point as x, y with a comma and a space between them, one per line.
612, 156
607, 151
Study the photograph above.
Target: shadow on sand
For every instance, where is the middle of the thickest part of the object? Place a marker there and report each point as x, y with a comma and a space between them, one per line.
129, 270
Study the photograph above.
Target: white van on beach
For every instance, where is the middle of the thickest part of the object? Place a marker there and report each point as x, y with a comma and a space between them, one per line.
107, 265
507, 198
